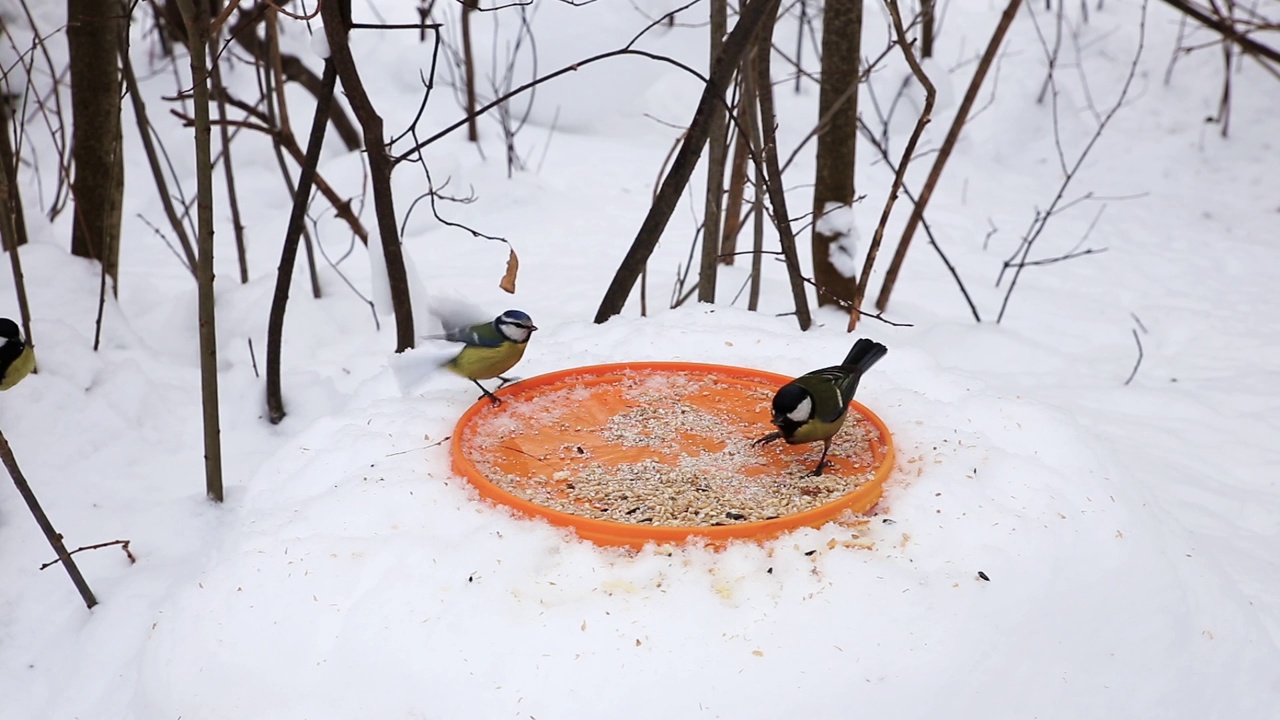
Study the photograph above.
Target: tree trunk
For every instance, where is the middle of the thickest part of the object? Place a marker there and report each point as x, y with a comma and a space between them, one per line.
93, 39
944, 152
753, 15
768, 124
926, 34
837, 143
11, 199
197, 19
297, 220
13, 226
337, 21
717, 140
469, 70
53, 536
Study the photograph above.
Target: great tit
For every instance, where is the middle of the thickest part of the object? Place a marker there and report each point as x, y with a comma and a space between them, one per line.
813, 406
17, 359
489, 348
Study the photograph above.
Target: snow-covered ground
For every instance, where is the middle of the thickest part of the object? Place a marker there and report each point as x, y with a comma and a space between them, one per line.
1130, 533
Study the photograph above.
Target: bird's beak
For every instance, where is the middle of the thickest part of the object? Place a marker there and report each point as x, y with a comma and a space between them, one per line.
532, 328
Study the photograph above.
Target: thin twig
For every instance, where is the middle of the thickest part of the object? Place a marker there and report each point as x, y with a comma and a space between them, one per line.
1134, 372
1042, 218
124, 545
924, 223
930, 94
153, 160
768, 124
944, 153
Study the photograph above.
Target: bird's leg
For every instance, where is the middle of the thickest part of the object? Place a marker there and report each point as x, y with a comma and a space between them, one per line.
822, 461
492, 398
507, 381
767, 439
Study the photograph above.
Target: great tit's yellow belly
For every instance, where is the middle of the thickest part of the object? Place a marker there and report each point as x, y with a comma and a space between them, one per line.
482, 363
816, 430
19, 368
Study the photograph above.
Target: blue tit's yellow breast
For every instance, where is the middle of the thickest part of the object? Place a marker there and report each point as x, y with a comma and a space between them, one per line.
481, 363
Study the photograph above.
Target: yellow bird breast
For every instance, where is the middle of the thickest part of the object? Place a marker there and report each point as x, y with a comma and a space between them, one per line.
19, 368
816, 430
482, 363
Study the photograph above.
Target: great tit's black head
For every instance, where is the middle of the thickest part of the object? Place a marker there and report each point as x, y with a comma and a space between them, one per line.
515, 326
792, 406
9, 330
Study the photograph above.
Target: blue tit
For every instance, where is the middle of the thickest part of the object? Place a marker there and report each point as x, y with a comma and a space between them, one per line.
813, 407
489, 348
17, 358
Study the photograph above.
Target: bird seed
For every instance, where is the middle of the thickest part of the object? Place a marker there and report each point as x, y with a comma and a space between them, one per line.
661, 459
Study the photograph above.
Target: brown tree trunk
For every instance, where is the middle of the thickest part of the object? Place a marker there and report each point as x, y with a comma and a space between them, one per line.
53, 536
13, 226
944, 152
93, 39
737, 180
197, 19
768, 124
288, 256
337, 22
717, 140
11, 199
837, 140
752, 17
926, 34
469, 70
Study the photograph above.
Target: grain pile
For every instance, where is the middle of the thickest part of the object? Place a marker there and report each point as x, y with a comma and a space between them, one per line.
664, 453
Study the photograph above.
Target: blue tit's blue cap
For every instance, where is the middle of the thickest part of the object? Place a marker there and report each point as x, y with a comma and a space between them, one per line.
516, 317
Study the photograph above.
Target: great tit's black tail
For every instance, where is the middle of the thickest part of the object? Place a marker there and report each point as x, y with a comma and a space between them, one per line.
864, 354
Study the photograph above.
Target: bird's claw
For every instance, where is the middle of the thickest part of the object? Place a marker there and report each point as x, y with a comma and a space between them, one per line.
817, 472
507, 381
766, 439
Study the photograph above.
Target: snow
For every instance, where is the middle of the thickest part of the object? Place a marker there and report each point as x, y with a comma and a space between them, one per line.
838, 222
320, 43
1130, 532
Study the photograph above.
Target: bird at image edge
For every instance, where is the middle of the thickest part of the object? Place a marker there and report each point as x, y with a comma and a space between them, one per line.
813, 407
489, 348
17, 358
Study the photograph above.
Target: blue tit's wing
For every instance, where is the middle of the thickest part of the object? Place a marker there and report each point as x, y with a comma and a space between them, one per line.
482, 335
451, 313
413, 367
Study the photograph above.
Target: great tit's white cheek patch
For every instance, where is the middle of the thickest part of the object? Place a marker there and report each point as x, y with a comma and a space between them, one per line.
3, 341
802, 411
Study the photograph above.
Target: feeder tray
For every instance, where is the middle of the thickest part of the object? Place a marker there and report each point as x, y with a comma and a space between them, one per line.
579, 448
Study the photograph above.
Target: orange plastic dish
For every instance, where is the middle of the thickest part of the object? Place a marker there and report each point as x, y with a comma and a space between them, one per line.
595, 399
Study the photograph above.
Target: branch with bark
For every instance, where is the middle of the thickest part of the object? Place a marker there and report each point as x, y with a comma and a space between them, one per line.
755, 14
284, 273
930, 94
337, 19
197, 19
944, 153
46, 527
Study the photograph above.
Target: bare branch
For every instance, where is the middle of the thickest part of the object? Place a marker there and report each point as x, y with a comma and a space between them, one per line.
944, 153
1042, 218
